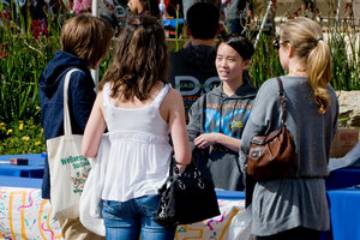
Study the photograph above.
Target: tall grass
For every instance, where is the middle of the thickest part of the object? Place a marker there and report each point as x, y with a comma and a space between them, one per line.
23, 59
344, 42
265, 62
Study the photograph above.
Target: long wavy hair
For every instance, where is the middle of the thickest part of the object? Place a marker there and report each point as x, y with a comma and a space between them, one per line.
140, 61
305, 36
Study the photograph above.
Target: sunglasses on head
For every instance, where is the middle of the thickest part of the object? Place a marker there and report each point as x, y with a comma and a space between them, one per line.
277, 43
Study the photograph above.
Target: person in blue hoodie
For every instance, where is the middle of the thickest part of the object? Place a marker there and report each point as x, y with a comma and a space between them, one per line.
85, 40
217, 119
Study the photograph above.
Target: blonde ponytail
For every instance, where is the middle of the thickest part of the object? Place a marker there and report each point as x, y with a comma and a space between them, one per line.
319, 71
305, 36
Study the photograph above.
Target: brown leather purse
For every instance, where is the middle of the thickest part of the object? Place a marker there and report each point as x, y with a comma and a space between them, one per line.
273, 156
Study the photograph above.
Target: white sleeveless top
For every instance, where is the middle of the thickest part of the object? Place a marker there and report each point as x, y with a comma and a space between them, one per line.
140, 151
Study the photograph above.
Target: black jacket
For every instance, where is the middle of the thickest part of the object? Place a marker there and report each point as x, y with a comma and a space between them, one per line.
193, 72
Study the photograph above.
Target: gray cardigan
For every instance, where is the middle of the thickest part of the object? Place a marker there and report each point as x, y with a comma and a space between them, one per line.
284, 204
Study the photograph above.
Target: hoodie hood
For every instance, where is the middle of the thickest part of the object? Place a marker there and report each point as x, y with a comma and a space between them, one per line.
56, 68
202, 57
243, 92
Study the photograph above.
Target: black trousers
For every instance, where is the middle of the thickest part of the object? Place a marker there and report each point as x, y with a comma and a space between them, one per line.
299, 233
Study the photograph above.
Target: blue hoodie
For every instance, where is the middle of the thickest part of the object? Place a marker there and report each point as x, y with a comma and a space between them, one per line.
81, 98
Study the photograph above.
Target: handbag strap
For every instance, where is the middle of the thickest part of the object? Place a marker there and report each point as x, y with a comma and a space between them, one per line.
203, 116
67, 121
282, 101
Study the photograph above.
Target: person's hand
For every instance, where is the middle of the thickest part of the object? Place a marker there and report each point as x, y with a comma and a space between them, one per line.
181, 168
205, 140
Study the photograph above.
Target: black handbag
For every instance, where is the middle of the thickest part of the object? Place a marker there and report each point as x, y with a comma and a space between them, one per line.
186, 197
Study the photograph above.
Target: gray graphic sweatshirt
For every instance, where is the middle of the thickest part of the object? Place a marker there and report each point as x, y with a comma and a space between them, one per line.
216, 112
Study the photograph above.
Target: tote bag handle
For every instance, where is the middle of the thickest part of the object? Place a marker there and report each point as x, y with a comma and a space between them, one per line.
67, 122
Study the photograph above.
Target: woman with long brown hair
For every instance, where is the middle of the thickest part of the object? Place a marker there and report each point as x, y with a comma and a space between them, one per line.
139, 109
296, 207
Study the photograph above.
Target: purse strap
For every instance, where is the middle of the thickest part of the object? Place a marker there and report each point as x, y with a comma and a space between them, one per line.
67, 121
282, 101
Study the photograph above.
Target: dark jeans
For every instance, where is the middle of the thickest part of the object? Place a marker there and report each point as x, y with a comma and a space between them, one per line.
298, 233
130, 219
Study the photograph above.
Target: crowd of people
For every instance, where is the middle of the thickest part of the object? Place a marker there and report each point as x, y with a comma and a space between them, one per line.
141, 104
39, 13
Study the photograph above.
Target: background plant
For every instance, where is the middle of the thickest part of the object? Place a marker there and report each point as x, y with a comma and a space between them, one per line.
21, 63
21, 137
265, 62
344, 41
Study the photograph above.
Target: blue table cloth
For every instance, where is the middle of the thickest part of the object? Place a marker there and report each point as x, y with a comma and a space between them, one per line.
10, 181
34, 169
343, 178
345, 213
229, 195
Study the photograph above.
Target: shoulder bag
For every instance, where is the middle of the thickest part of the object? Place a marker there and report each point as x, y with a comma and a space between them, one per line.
68, 168
273, 156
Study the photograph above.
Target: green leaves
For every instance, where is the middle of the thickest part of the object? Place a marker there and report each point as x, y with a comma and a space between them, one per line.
265, 62
23, 59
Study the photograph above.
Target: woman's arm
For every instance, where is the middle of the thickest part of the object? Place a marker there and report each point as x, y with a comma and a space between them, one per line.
207, 139
177, 128
94, 129
194, 127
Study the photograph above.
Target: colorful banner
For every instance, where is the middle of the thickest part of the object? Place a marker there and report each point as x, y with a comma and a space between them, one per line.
24, 215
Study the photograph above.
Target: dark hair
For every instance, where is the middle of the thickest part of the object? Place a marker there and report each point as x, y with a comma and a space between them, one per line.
151, 7
242, 46
87, 37
140, 61
203, 20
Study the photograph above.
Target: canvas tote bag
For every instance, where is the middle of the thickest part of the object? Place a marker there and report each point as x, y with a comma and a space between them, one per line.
90, 201
68, 169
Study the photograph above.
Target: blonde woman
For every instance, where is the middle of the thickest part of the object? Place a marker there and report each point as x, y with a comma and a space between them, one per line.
296, 208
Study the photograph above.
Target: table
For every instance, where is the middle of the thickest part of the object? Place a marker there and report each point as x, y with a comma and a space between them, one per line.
343, 178
30, 215
345, 213
11, 181
35, 168
24, 215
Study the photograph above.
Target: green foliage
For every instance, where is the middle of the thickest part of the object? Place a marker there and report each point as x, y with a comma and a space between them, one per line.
345, 50
20, 137
22, 60
265, 62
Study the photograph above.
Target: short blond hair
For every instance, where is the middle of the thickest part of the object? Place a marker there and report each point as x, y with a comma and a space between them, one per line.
87, 37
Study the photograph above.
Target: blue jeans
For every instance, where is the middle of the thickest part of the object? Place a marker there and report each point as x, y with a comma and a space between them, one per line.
130, 219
